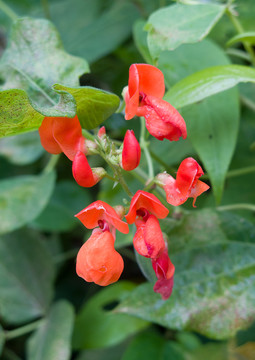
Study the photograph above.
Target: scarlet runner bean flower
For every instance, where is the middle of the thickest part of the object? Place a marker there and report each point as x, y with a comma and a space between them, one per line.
97, 260
145, 209
60, 134
143, 97
131, 153
186, 184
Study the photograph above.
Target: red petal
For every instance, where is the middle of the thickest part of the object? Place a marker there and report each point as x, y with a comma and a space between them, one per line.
199, 188
98, 261
132, 95
187, 175
46, 136
164, 287
82, 171
131, 152
150, 202
100, 210
151, 80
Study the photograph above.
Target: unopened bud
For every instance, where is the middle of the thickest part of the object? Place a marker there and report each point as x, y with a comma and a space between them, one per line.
131, 152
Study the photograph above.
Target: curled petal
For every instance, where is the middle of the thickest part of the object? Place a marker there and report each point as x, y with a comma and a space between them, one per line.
150, 202
164, 287
173, 195
131, 152
100, 210
148, 239
82, 172
187, 175
163, 121
68, 134
199, 188
145, 79
46, 136
98, 261
164, 270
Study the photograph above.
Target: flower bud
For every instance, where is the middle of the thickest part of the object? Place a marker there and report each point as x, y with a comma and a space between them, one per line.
82, 172
98, 261
101, 132
131, 152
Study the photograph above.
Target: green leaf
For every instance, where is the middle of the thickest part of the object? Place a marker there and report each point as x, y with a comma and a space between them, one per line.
209, 124
35, 60
26, 277
140, 39
23, 149
105, 327
248, 37
2, 339
208, 82
189, 24
67, 200
213, 293
23, 198
52, 340
94, 106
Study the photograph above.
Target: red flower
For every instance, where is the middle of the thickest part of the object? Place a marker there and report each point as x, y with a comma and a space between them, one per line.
98, 261
82, 172
144, 201
131, 152
186, 184
164, 270
99, 213
61, 134
143, 97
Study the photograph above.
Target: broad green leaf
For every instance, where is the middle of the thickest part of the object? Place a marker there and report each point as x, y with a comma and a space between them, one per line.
52, 340
2, 339
23, 198
67, 200
208, 82
150, 346
189, 24
97, 327
213, 292
248, 37
35, 60
26, 277
110, 353
209, 123
140, 39
93, 105
22, 149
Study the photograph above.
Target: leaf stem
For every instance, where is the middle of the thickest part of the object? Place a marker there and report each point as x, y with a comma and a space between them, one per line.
243, 206
12, 334
88, 135
46, 9
8, 11
240, 30
234, 173
144, 146
51, 164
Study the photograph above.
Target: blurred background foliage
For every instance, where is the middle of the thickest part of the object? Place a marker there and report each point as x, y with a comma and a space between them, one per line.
46, 311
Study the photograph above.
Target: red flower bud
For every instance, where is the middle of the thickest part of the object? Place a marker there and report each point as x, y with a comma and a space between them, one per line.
148, 239
145, 200
98, 261
131, 152
82, 172
100, 210
101, 132
186, 184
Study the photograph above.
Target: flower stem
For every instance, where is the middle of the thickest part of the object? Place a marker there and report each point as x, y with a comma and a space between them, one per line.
240, 30
8, 11
144, 147
51, 163
88, 135
250, 207
12, 334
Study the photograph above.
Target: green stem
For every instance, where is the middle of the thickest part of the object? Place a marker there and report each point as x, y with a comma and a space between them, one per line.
8, 11
250, 207
123, 183
51, 163
240, 30
234, 173
12, 334
88, 135
248, 102
46, 9
144, 147
110, 177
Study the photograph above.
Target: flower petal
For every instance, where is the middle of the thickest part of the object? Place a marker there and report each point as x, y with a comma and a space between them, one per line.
46, 136
82, 172
131, 152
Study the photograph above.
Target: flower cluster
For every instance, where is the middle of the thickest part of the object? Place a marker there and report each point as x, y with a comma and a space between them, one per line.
97, 260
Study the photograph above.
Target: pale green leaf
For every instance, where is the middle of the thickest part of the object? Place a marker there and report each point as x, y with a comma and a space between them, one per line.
248, 37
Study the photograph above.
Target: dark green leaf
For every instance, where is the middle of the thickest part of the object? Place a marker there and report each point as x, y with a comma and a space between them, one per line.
67, 200
248, 37
213, 293
2, 339
208, 82
140, 38
97, 327
52, 340
93, 105
23, 198
26, 277
189, 24
23, 149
